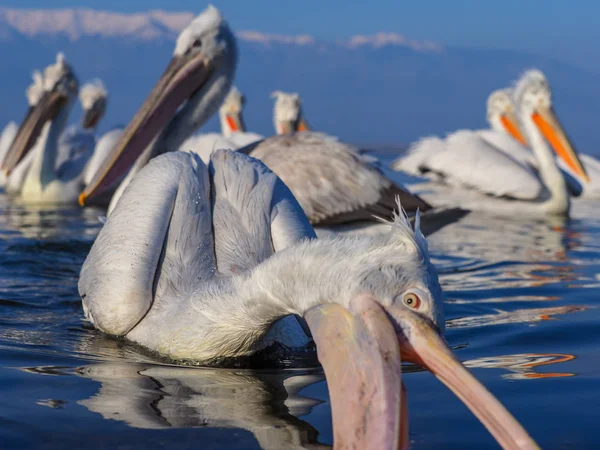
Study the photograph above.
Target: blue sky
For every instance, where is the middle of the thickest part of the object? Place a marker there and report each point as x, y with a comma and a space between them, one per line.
567, 30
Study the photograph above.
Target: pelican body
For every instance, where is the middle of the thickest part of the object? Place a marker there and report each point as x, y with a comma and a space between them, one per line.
490, 170
197, 263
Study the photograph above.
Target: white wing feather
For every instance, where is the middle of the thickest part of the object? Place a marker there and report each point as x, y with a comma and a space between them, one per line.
466, 159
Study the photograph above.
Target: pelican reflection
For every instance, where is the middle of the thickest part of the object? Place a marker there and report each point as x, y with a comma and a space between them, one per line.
267, 403
523, 365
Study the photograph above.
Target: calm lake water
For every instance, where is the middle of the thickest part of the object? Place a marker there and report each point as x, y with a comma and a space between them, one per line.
522, 313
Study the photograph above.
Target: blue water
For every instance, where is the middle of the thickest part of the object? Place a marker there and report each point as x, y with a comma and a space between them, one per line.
522, 313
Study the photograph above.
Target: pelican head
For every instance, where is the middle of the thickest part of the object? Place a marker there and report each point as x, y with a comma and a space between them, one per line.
393, 313
192, 86
287, 112
230, 112
501, 114
59, 87
94, 98
533, 98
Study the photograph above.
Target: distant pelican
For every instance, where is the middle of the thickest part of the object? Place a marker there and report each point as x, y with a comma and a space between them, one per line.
287, 113
483, 174
43, 181
188, 93
75, 145
80, 141
579, 185
197, 264
233, 125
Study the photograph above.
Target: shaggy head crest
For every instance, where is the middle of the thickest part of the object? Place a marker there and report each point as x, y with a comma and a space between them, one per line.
208, 21
530, 79
54, 73
91, 92
401, 229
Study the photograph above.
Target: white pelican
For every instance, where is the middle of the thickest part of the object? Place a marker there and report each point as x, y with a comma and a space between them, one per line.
579, 184
44, 182
484, 176
287, 113
233, 126
33, 93
188, 93
75, 145
197, 264
79, 141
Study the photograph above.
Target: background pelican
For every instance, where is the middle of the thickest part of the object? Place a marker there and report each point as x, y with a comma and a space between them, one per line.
485, 175
288, 115
233, 125
188, 93
197, 265
43, 182
578, 183
76, 145
79, 140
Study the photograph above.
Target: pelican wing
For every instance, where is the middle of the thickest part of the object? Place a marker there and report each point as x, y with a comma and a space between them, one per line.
254, 213
166, 205
176, 226
331, 180
507, 144
466, 159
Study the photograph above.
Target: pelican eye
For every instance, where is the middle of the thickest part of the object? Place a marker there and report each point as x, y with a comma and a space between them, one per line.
412, 300
197, 43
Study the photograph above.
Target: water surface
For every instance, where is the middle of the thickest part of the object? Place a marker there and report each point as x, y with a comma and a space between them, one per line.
522, 312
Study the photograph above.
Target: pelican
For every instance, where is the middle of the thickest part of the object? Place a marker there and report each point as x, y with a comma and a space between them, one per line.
287, 113
232, 123
579, 184
188, 93
197, 264
74, 148
43, 182
482, 173
79, 141
33, 93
